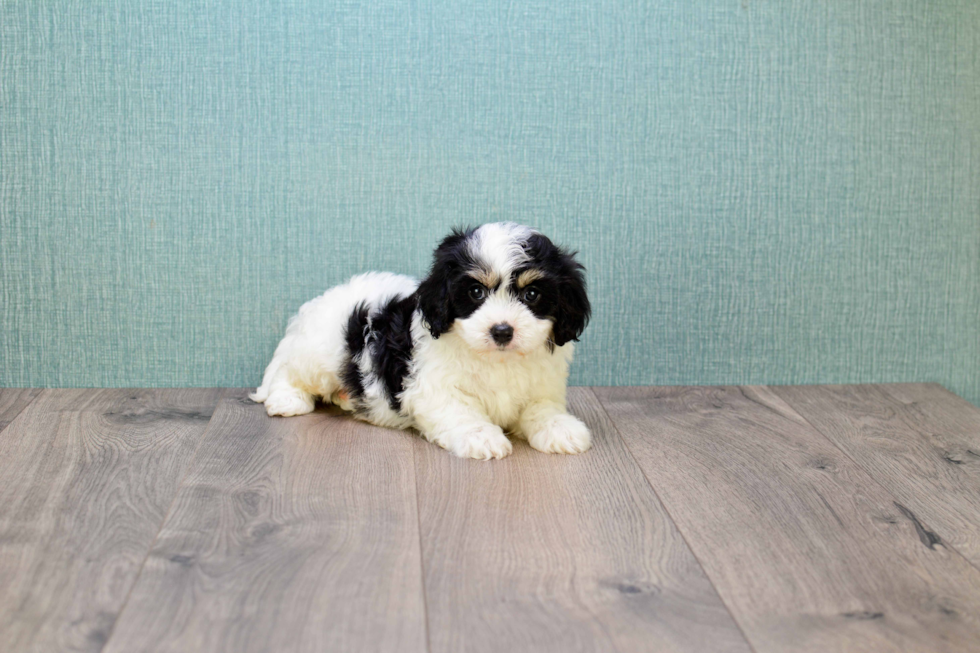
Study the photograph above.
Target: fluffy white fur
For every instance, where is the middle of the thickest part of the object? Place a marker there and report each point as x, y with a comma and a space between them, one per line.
463, 391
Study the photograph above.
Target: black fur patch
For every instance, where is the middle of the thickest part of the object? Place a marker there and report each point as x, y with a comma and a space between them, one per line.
440, 298
391, 345
563, 292
355, 334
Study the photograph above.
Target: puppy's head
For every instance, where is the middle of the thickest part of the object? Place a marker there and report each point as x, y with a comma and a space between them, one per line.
504, 287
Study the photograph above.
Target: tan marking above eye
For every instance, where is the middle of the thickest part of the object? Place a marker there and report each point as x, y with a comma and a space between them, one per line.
486, 277
527, 276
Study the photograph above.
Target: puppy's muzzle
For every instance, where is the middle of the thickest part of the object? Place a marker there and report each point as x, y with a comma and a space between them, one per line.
502, 333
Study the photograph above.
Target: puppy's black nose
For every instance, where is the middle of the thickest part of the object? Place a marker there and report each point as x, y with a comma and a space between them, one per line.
502, 333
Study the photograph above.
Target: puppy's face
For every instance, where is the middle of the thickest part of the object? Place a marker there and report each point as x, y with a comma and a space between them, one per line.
503, 287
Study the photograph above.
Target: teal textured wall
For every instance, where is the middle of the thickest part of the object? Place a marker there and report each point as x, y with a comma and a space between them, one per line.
762, 192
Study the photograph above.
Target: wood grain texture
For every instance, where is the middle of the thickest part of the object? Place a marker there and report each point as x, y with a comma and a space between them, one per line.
808, 551
296, 534
920, 441
86, 477
13, 401
543, 552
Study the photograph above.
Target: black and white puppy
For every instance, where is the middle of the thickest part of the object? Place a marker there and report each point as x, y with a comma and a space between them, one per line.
479, 347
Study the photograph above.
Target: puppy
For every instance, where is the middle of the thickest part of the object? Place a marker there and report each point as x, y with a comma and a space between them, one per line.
480, 347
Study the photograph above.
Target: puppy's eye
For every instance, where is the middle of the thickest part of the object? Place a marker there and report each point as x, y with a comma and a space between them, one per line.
531, 295
477, 292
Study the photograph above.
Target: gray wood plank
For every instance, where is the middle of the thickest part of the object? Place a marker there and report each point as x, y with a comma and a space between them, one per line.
540, 552
808, 551
13, 401
289, 534
920, 441
86, 477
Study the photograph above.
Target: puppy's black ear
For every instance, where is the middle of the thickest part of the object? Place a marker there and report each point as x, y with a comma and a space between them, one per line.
435, 291
573, 311
435, 301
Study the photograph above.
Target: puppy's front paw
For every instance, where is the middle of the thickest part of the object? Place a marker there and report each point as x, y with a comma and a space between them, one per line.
287, 404
483, 443
561, 434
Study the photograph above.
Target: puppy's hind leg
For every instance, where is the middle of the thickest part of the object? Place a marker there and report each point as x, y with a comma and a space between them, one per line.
289, 401
279, 396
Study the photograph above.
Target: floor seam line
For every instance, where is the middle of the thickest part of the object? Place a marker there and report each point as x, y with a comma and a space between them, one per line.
748, 642
890, 494
166, 516
26, 406
418, 522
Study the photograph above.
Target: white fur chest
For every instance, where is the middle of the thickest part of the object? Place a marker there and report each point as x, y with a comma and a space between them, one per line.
500, 384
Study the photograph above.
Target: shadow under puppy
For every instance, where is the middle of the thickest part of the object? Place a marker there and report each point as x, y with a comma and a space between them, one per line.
481, 346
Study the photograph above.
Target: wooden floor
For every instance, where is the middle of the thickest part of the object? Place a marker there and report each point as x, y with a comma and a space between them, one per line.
825, 518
